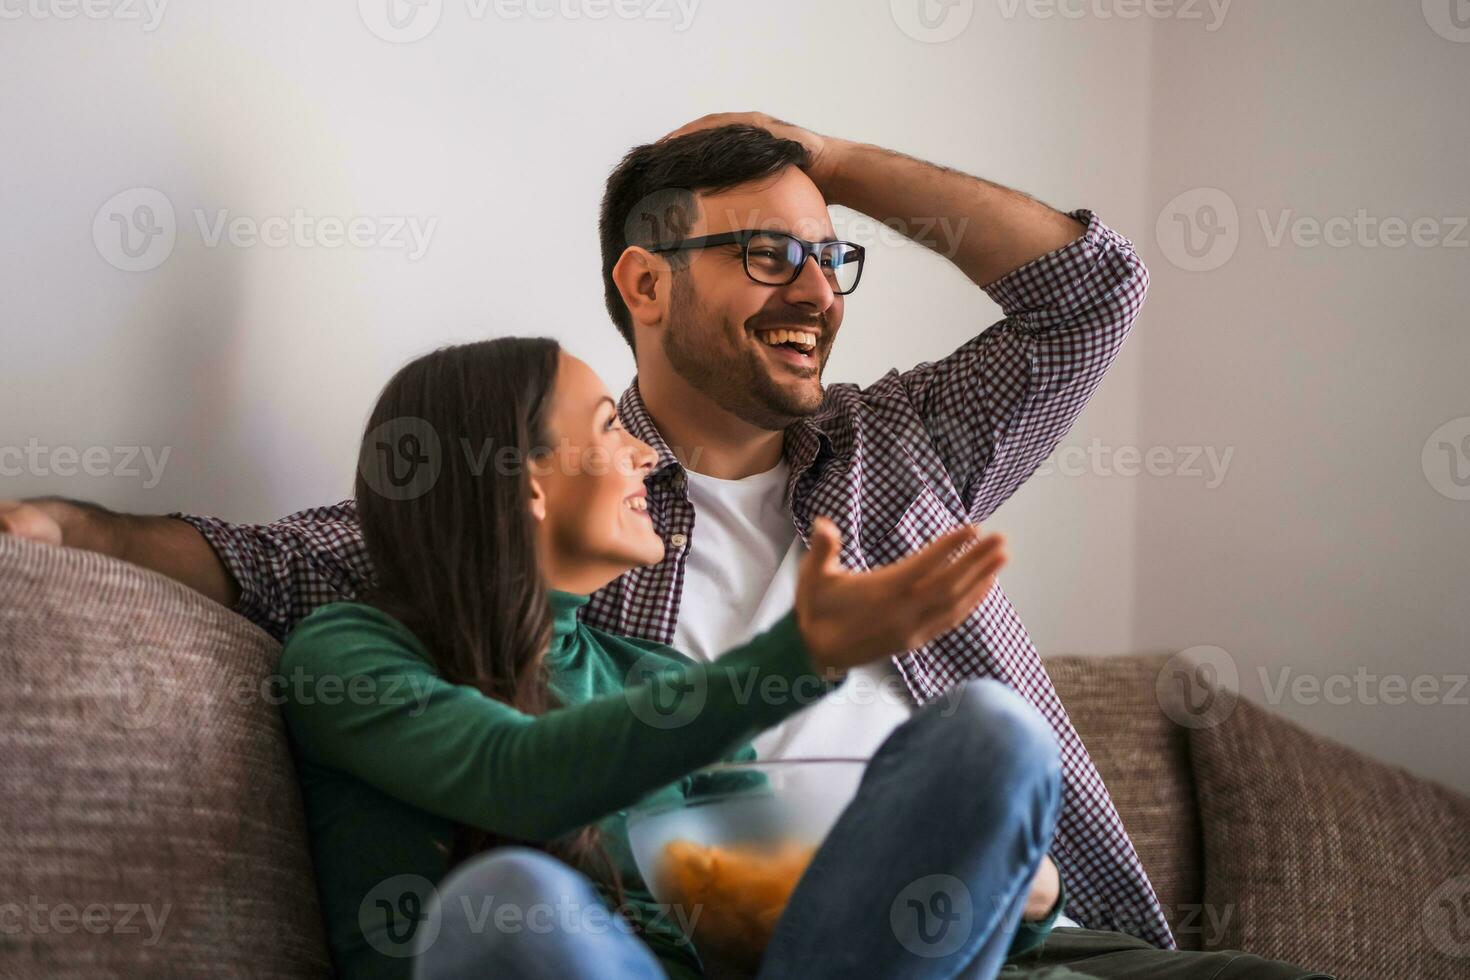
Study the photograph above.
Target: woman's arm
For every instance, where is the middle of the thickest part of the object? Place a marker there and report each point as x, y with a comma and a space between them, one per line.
362, 698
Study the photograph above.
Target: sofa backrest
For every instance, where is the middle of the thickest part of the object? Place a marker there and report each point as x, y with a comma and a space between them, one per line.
149, 813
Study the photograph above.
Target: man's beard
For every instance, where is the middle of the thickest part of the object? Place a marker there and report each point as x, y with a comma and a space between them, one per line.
740, 384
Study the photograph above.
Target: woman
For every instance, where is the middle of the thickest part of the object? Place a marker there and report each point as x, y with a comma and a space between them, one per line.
461, 719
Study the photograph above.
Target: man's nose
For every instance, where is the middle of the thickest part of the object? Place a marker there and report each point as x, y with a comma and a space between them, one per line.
811, 287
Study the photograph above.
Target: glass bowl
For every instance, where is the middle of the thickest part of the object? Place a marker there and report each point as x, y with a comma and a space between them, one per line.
729, 853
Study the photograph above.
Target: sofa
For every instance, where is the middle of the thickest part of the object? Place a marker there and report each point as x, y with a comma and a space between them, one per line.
150, 824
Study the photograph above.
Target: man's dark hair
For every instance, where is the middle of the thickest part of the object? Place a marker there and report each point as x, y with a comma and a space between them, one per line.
649, 198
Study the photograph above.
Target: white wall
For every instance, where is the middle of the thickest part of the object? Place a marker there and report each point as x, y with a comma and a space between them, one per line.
255, 366
1326, 551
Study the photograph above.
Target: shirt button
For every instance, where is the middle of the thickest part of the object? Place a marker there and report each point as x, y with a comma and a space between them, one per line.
679, 540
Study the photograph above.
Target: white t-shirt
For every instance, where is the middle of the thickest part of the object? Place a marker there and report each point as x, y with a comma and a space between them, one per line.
739, 579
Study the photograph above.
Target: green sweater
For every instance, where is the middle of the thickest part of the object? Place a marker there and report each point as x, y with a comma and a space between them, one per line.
391, 756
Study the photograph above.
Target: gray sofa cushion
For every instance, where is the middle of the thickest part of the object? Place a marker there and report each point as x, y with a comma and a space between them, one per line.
149, 814
1326, 858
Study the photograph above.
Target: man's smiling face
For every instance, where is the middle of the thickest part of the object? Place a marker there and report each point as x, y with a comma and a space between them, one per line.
758, 351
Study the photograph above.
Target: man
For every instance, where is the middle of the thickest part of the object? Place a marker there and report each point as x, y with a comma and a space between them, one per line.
722, 271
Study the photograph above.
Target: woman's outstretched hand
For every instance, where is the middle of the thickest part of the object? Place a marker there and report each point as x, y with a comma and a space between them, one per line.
851, 618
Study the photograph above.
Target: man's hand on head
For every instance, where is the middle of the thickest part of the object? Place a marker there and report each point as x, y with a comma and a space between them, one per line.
826, 151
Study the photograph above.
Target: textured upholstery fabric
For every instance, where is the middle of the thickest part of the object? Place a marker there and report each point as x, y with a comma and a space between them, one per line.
1144, 759
142, 773
1376, 861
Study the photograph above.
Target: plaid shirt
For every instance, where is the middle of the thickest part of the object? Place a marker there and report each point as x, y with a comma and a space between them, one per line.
894, 465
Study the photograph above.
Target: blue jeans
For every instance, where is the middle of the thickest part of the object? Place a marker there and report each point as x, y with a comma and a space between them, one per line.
924, 875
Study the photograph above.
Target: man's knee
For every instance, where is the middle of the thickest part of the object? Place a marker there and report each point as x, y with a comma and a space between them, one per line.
987, 716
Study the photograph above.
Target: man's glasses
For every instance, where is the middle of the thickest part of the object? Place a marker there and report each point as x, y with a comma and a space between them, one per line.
775, 258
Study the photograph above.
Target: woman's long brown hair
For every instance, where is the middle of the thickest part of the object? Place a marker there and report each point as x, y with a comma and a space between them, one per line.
443, 495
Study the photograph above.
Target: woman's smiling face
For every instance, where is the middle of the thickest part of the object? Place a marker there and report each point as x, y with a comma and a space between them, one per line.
588, 495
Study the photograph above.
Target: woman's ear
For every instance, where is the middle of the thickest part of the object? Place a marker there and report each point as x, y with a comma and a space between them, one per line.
538, 500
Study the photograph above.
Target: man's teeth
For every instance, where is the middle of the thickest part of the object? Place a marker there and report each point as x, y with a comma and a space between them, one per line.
804, 339
638, 503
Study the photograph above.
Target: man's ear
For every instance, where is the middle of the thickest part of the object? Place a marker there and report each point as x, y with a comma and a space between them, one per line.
642, 279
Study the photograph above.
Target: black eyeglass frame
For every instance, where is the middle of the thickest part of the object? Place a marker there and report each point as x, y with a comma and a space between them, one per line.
743, 238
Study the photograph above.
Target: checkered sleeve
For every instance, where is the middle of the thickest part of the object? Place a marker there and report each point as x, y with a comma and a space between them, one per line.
997, 406
289, 567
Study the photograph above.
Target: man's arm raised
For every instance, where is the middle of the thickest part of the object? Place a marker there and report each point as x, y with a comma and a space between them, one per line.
987, 230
